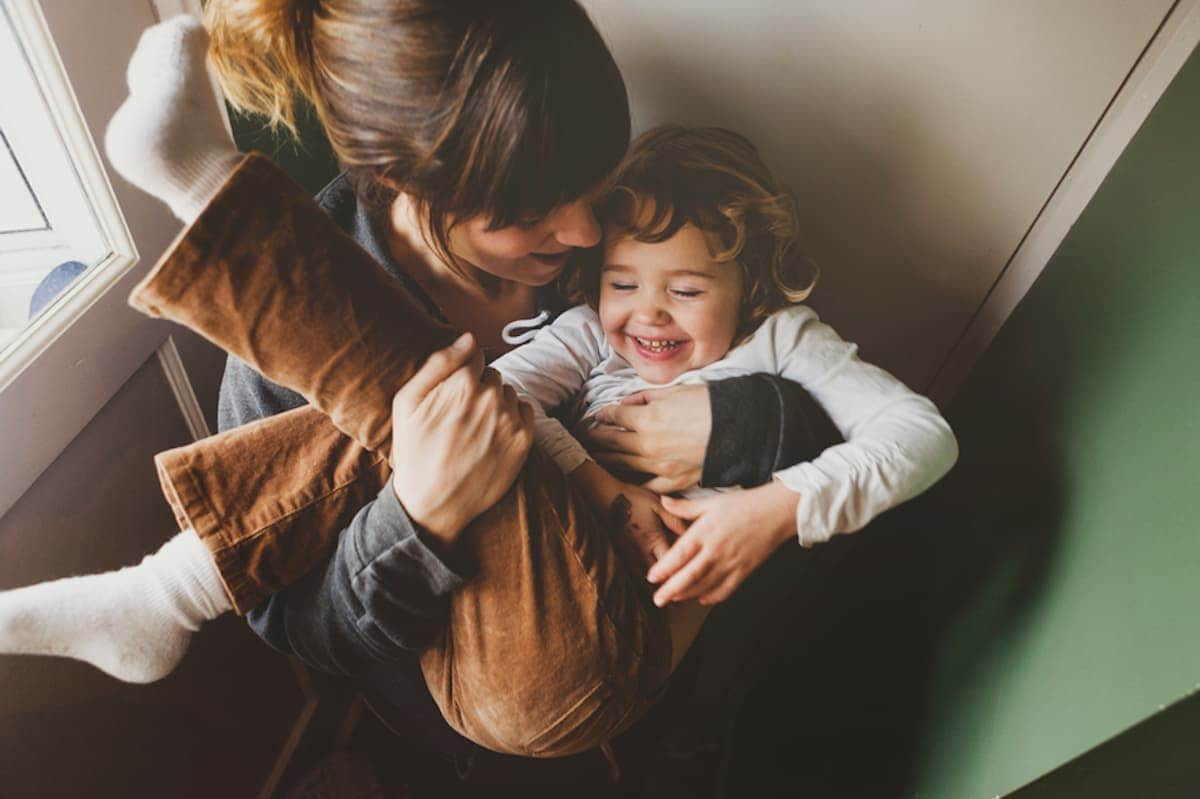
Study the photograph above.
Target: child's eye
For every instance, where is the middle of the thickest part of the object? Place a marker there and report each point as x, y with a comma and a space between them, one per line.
686, 292
622, 286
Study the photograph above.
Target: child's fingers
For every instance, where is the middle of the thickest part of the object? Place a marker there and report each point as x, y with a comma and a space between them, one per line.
680, 553
723, 591
679, 584
678, 587
712, 580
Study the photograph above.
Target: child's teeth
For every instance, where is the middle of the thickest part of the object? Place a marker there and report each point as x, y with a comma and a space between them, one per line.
657, 346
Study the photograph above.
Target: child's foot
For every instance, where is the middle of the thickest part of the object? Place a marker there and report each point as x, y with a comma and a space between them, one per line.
134, 623
168, 137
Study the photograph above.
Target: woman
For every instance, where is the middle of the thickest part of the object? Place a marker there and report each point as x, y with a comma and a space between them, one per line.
472, 137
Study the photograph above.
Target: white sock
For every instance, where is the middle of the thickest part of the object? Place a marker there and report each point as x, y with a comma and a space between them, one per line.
168, 137
134, 623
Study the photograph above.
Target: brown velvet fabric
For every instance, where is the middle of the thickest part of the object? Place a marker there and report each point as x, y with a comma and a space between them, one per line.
269, 498
554, 647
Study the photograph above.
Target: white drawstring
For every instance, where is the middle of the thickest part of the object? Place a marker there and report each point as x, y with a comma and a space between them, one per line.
511, 337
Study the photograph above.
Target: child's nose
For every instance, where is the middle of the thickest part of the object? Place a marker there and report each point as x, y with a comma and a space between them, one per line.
650, 311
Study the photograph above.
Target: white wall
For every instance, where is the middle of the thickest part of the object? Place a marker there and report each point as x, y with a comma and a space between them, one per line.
920, 137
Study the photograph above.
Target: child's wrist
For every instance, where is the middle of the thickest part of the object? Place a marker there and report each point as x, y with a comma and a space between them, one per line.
781, 503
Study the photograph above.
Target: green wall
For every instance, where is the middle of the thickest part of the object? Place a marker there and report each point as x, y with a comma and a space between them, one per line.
1074, 512
1156, 758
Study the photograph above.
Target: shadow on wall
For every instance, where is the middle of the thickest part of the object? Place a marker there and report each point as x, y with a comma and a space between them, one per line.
842, 714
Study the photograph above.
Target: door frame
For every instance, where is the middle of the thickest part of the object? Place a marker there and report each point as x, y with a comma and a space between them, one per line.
1160, 61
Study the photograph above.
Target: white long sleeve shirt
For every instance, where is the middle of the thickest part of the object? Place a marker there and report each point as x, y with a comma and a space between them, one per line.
896, 442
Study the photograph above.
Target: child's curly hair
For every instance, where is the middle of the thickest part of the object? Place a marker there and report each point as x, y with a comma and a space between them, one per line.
714, 179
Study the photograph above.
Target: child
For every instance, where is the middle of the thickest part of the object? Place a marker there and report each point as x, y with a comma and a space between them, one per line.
698, 281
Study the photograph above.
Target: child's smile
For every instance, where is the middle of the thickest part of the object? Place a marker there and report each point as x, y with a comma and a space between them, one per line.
668, 307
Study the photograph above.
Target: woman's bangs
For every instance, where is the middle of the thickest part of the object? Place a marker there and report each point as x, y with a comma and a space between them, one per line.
564, 134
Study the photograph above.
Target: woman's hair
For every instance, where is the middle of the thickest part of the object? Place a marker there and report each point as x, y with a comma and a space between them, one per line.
471, 107
714, 179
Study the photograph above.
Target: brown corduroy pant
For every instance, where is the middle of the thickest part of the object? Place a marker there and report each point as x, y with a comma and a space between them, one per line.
267, 276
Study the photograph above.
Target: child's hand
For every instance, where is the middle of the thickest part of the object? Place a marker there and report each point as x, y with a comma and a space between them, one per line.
730, 536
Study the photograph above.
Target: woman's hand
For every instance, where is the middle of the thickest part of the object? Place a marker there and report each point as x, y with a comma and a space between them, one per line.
665, 435
730, 536
459, 437
636, 515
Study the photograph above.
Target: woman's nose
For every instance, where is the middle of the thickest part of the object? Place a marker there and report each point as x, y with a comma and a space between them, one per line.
576, 225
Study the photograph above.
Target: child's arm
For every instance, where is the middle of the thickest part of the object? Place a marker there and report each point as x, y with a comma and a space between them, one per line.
551, 369
897, 445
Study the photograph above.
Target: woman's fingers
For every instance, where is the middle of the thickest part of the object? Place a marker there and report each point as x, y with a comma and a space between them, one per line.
616, 415
665, 485
437, 368
613, 439
689, 509
673, 523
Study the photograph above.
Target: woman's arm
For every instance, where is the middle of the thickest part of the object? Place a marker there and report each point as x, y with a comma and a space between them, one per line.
736, 431
762, 423
391, 575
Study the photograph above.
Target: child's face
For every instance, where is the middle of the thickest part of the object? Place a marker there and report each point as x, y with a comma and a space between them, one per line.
668, 308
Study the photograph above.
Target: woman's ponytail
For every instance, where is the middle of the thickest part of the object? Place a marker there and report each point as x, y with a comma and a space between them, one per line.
263, 54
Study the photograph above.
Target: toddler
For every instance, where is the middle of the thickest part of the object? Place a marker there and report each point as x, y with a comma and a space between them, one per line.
698, 280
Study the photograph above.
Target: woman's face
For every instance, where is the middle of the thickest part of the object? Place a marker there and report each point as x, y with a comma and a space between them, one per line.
530, 253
